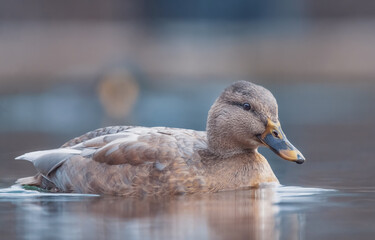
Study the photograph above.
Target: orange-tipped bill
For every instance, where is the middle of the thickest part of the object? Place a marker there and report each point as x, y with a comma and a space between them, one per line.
275, 139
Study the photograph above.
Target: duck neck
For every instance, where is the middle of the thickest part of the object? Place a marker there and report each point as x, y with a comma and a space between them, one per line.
239, 170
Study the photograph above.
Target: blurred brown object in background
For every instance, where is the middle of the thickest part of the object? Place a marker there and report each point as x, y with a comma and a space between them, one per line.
118, 91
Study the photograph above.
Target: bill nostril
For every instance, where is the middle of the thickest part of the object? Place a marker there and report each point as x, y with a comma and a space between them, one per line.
275, 134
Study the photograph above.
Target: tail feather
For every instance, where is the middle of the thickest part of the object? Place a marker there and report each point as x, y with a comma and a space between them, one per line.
49, 160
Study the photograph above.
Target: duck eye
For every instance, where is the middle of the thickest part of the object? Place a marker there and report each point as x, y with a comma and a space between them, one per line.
246, 106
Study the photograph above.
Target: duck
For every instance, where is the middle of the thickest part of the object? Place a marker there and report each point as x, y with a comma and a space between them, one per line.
138, 161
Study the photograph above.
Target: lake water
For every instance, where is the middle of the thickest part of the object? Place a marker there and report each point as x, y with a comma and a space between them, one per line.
278, 213
331, 196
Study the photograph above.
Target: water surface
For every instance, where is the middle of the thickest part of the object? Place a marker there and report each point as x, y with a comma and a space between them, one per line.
267, 213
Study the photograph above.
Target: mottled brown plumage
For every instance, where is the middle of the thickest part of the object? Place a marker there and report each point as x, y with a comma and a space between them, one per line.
137, 160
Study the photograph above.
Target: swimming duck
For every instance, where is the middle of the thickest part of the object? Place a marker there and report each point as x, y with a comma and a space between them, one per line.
127, 160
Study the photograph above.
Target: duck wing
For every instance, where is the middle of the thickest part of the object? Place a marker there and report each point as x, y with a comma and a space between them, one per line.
126, 152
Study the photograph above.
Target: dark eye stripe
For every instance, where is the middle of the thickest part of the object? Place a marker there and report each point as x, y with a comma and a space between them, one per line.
236, 104
252, 110
242, 105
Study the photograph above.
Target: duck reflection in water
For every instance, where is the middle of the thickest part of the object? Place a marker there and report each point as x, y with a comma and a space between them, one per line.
252, 214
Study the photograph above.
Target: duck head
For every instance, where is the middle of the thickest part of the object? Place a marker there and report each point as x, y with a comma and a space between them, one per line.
244, 117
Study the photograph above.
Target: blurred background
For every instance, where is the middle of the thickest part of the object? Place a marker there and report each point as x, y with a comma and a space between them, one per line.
69, 67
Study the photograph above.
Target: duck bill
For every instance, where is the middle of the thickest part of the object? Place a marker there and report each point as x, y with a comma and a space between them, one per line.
275, 139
